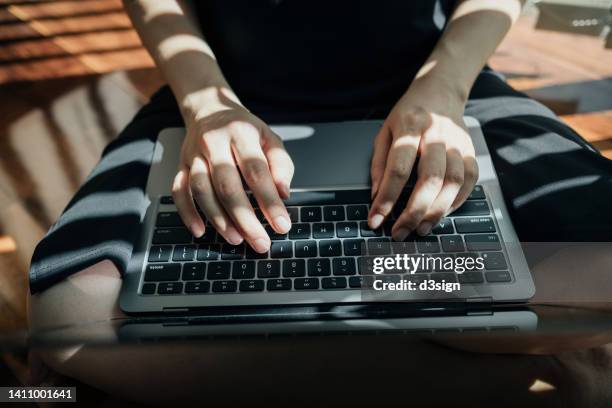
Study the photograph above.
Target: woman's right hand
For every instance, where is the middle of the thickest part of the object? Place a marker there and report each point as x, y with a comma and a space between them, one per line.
224, 141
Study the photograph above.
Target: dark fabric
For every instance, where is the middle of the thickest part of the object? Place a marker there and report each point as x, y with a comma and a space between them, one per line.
556, 186
269, 49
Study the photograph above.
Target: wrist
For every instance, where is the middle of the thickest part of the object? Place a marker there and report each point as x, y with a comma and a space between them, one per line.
203, 102
437, 83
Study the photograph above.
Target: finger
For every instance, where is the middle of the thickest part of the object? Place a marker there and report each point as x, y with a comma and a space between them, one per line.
380, 152
231, 195
470, 175
432, 166
256, 172
204, 195
184, 202
398, 166
453, 181
281, 165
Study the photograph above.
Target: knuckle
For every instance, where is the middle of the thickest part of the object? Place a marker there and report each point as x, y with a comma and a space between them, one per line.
455, 177
198, 185
399, 170
433, 180
256, 173
227, 189
240, 127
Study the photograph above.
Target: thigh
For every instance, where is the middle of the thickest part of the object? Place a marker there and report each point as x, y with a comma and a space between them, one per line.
555, 184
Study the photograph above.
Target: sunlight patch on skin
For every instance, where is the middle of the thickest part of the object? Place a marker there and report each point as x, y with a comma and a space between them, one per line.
541, 386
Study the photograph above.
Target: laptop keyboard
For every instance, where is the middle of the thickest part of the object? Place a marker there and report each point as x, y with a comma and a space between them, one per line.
322, 251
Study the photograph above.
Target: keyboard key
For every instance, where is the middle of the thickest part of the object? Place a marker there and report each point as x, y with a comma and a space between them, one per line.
166, 200
352, 247
172, 236
168, 219
379, 246
268, 269
294, 214
299, 231
366, 265
170, 288
445, 226
310, 214
323, 230
356, 282
279, 284
197, 287
330, 247
482, 242
229, 251
428, 244
208, 252
346, 229
306, 283
306, 249
252, 254
224, 286
319, 267
333, 213
162, 272
160, 253
494, 261
218, 270
444, 276
452, 243
210, 235
252, 285
333, 283
193, 271
274, 236
293, 268
498, 276
148, 288
183, 253
344, 266
281, 249
366, 232
357, 212
243, 270
476, 207
404, 247
477, 194
470, 277
477, 224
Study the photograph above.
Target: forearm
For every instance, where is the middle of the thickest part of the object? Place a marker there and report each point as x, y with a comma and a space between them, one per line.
170, 33
473, 32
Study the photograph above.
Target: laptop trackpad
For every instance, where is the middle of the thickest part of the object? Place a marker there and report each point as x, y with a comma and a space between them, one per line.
332, 154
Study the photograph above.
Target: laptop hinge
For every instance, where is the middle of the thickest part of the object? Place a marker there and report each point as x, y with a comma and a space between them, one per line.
480, 299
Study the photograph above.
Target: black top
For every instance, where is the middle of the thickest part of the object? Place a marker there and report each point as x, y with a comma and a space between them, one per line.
316, 54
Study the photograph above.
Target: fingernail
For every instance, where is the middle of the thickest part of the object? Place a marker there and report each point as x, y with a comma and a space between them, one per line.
282, 223
376, 220
424, 228
233, 237
197, 230
401, 234
260, 245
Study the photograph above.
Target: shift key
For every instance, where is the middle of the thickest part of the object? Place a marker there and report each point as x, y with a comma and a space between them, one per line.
474, 224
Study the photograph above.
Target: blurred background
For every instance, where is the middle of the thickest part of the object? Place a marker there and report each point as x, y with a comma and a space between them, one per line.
73, 73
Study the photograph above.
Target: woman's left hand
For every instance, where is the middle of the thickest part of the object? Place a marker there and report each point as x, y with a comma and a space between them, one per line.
426, 122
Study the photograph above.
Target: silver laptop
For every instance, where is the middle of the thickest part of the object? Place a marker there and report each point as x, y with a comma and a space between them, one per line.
328, 260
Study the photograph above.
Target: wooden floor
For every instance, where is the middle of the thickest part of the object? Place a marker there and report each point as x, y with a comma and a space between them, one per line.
72, 73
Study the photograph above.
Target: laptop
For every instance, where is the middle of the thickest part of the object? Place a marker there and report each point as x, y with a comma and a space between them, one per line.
326, 258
